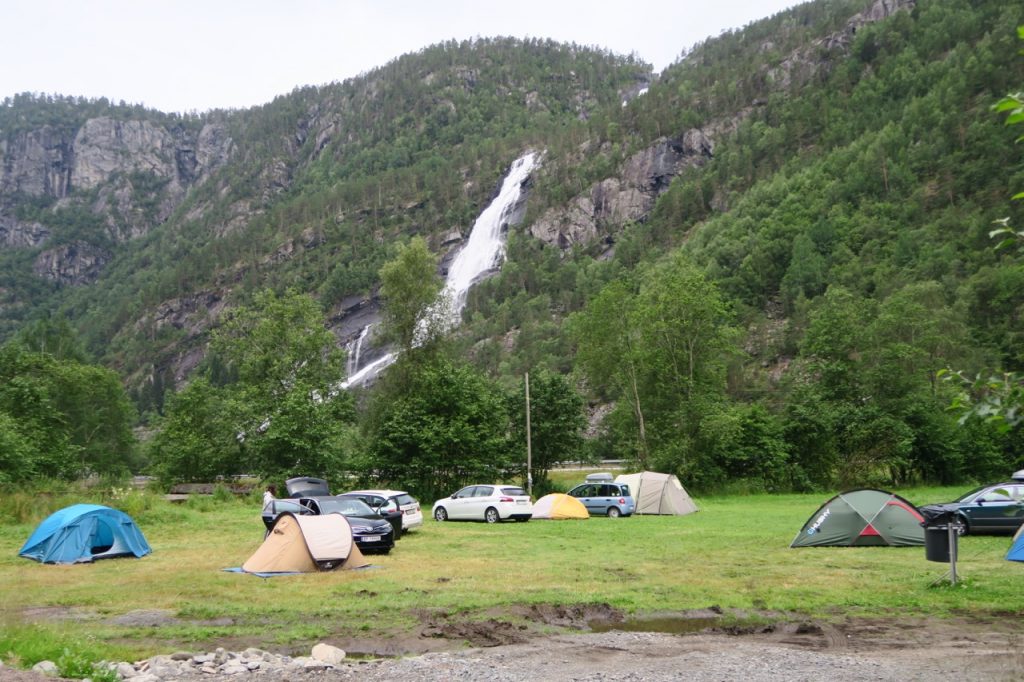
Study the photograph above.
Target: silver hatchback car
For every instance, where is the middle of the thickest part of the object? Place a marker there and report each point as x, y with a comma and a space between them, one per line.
604, 497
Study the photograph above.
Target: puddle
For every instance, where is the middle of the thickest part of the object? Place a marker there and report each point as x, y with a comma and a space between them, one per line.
673, 625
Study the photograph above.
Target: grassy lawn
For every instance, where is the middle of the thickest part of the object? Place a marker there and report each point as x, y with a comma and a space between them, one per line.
733, 553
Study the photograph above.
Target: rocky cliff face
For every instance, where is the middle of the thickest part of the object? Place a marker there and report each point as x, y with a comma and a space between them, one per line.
76, 263
613, 202
132, 174
804, 64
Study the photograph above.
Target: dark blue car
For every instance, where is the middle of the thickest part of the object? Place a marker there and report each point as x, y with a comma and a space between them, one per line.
993, 508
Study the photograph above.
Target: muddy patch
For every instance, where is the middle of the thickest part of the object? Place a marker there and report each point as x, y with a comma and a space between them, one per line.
483, 633
570, 616
36, 614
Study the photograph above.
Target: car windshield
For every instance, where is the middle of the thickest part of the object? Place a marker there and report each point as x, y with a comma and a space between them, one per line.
349, 506
513, 491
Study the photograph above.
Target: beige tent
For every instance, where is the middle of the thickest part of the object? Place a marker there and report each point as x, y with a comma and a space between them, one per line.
658, 493
558, 507
306, 544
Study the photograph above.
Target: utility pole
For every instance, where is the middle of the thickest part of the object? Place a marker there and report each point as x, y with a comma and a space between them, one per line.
529, 449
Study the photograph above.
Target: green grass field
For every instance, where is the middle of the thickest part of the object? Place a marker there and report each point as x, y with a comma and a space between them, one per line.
734, 553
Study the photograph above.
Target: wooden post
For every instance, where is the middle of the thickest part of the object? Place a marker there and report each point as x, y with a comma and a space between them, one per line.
952, 552
529, 450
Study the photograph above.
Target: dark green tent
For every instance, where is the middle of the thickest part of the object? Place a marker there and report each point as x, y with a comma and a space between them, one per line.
863, 518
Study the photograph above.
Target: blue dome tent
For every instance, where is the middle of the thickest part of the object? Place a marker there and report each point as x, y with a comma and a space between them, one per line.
84, 532
1016, 552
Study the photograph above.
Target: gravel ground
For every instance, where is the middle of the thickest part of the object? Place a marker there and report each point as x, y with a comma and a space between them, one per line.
861, 651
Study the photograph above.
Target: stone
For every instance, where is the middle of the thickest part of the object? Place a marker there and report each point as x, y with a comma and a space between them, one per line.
149, 677
328, 654
125, 670
48, 668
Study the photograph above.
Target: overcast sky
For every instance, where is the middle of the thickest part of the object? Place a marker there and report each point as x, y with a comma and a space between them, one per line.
196, 55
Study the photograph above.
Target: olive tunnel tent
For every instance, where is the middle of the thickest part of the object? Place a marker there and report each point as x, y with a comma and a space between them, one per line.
304, 544
657, 493
863, 518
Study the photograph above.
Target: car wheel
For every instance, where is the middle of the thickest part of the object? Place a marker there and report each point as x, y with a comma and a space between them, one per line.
613, 512
965, 525
440, 514
491, 515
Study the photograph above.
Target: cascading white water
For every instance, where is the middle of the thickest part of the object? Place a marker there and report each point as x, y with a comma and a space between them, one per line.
354, 349
484, 250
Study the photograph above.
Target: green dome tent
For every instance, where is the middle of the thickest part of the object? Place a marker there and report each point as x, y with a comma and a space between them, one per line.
863, 518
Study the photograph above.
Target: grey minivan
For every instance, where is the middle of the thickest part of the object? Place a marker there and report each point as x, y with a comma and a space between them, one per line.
604, 497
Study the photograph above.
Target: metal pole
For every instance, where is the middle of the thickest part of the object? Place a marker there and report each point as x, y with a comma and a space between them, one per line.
529, 449
952, 553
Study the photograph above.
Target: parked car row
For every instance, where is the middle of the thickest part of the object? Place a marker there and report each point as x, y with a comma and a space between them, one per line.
377, 517
380, 517
493, 503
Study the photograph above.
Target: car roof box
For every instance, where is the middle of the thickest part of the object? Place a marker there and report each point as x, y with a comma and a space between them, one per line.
601, 477
1018, 475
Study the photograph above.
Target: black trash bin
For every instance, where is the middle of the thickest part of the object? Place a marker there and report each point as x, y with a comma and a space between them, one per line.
936, 543
939, 543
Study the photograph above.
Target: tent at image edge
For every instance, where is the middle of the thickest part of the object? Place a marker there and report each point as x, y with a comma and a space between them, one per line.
304, 544
863, 518
657, 493
559, 507
84, 532
1016, 552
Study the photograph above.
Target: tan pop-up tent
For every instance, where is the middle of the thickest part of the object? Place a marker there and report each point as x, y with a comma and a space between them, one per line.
658, 493
558, 506
306, 544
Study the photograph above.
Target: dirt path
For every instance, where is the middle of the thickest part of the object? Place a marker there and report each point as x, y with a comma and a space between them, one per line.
853, 649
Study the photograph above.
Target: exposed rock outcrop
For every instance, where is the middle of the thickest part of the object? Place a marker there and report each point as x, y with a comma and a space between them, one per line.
613, 202
14, 234
806, 63
133, 174
36, 163
75, 263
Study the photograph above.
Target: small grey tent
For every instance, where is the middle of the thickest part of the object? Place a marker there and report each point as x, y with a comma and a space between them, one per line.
658, 493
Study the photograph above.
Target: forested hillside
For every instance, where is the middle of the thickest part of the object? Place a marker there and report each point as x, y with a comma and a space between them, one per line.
749, 270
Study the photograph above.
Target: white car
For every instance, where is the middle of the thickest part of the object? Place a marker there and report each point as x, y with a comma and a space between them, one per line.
385, 501
490, 503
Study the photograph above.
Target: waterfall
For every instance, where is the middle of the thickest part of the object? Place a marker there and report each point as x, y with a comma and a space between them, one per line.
354, 349
485, 248
483, 251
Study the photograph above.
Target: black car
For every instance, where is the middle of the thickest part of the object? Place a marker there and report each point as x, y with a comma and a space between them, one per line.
393, 515
371, 531
993, 508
